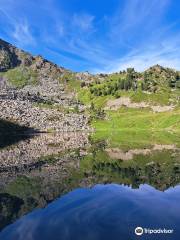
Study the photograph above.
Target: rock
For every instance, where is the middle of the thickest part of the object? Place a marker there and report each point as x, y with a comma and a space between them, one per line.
25, 106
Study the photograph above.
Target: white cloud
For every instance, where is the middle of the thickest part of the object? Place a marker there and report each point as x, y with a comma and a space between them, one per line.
137, 15
140, 63
166, 53
22, 34
138, 29
16, 26
131, 36
83, 21
60, 30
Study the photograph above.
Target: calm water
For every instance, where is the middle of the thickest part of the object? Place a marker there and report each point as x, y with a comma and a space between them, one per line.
69, 188
102, 212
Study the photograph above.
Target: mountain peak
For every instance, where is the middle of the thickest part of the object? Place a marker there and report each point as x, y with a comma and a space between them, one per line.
11, 57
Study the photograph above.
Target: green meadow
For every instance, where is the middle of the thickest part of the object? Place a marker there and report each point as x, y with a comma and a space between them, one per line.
132, 128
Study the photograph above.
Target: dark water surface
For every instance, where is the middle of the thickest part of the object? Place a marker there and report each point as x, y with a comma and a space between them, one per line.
102, 212
68, 187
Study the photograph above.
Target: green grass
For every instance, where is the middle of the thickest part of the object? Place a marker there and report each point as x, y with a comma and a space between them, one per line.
133, 128
50, 106
160, 98
87, 98
132, 139
84, 96
159, 169
23, 187
73, 85
139, 119
59, 108
20, 77
163, 98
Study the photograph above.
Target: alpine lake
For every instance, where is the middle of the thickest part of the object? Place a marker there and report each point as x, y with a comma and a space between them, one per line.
81, 186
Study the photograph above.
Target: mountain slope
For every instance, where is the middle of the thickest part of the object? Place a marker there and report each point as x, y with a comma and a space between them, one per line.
34, 92
37, 93
20, 68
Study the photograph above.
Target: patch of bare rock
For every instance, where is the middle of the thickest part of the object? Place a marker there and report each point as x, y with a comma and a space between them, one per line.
23, 107
116, 153
126, 102
26, 114
31, 150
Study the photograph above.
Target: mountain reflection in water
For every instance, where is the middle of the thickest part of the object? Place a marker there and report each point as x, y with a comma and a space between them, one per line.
11, 133
36, 171
102, 212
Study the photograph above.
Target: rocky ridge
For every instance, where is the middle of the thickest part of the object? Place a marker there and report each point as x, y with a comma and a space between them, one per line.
22, 102
41, 146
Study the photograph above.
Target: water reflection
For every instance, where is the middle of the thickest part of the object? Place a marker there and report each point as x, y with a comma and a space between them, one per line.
36, 171
11, 133
102, 212
40, 147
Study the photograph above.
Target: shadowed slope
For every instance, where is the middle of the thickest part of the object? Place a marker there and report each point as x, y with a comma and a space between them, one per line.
11, 133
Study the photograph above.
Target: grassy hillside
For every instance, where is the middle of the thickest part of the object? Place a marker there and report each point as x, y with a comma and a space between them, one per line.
159, 169
157, 86
134, 128
20, 76
139, 119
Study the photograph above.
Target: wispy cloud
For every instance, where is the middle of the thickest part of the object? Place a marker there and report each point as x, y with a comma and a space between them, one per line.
83, 21
137, 28
22, 34
134, 34
15, 26
165, 53
137, 15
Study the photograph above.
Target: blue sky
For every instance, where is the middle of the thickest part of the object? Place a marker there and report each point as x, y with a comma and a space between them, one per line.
95, 35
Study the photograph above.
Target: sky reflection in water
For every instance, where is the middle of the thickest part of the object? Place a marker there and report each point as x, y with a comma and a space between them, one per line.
102, 212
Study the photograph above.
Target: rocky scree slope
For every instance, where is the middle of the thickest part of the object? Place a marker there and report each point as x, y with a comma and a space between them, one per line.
33, 93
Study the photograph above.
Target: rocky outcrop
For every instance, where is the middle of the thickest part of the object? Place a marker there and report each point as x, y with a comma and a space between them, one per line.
126, 102
22, 105
116, 153
9, 56
31, 150
45, 119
